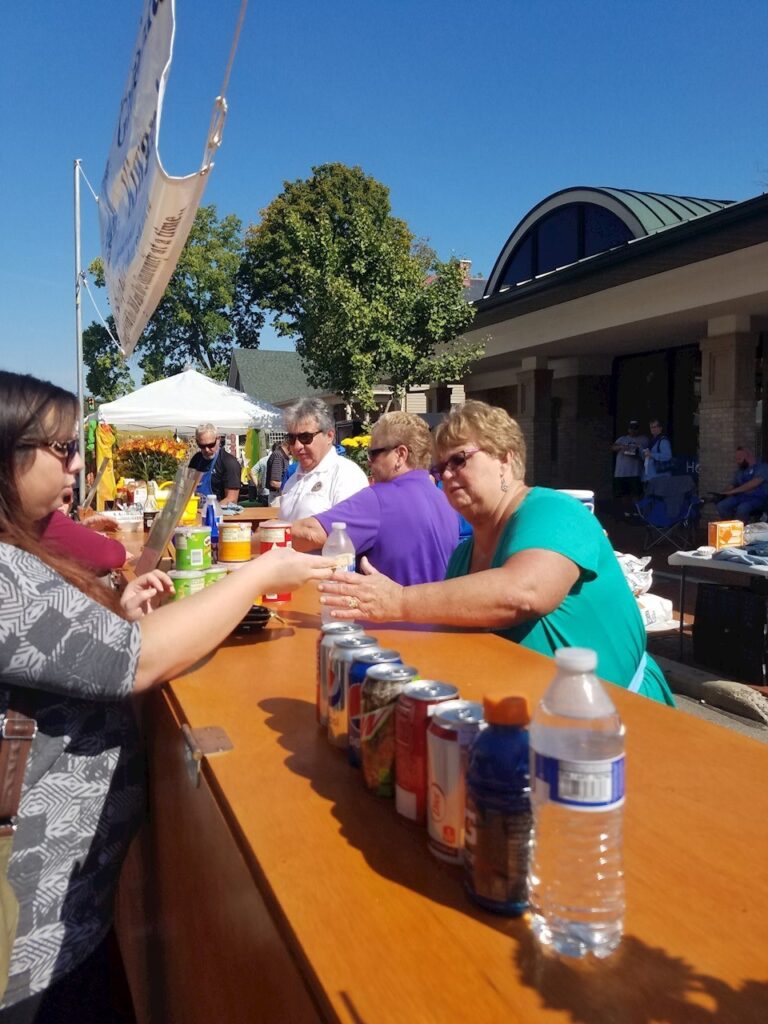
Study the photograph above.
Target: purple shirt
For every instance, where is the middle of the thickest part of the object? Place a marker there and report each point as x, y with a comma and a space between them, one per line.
405, 526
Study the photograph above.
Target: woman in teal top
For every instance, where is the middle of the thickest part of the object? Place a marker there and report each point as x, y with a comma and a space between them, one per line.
539, 569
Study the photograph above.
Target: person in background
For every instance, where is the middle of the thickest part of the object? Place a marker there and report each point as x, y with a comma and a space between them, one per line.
323, 478
257, 488
539, 570
72, 655
749, 488
101, 555
657, 457
277, 470
403, 523
628, 470
221, 471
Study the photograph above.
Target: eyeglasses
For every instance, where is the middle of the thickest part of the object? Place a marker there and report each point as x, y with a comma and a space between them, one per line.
305, 437
454, 462
211, 445
374, 453
65, 450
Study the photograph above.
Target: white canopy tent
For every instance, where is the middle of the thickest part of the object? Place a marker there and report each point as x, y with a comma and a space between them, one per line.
186, 400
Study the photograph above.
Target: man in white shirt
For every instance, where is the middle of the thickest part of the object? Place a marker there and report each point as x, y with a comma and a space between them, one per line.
324, 478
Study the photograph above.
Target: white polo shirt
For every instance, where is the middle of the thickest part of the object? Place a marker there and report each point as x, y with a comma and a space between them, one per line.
307, 493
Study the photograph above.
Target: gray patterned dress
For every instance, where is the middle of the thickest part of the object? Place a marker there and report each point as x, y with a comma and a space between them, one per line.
70, 663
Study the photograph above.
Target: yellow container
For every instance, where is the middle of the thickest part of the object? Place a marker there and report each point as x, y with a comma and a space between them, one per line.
234, 542
728, 533
189, 515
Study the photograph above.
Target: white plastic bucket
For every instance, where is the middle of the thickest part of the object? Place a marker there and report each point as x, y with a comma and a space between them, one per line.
585, 497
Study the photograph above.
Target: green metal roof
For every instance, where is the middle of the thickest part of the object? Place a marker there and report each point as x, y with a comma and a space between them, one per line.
269, 375
655, 210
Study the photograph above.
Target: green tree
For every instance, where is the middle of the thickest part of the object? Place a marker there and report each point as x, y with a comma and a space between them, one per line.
107, 376
206, 309
365, 302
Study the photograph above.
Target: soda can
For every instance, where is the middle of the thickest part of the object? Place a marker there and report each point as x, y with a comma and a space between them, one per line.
357, 673
381, 687
414, 709
329, 632
343, 655
451, 732
274, 534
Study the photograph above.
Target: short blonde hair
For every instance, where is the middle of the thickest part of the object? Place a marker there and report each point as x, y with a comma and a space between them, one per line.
394, 428
489, 427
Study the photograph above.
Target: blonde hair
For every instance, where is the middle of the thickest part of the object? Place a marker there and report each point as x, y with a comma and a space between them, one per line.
394, 428
489, 427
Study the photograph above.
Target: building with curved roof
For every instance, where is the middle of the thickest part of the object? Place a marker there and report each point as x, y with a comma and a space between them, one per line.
606, 305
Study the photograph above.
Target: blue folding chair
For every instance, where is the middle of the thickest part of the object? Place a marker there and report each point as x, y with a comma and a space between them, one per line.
670, 510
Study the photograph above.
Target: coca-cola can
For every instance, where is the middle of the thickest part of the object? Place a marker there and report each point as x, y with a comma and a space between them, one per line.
415, 706
451, 732
326, 638
381, 687
344, 651
357, 673
274, 534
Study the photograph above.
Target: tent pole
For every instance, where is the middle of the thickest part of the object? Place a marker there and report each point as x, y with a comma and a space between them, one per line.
79, 338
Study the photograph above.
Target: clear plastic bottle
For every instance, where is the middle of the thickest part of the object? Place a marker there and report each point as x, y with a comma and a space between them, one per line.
498, 808
212, 518
338, 545
575, 878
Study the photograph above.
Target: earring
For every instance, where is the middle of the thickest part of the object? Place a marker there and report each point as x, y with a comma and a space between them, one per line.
504, 486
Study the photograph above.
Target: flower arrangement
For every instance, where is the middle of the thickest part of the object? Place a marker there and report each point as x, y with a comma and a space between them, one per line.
150, 458
356, 449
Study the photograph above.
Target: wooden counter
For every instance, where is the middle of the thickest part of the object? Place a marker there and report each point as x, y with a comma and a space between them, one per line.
279, 890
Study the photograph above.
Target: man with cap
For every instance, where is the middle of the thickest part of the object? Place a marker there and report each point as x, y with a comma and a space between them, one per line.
627, 473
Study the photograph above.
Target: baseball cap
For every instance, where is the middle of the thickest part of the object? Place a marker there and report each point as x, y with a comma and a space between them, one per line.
634, 423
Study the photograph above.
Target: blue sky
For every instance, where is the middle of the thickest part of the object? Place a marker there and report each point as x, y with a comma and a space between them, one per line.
469, 113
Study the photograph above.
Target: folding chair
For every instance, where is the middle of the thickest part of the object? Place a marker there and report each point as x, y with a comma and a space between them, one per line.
670, 510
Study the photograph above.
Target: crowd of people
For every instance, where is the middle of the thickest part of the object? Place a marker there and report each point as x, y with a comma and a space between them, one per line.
536, 568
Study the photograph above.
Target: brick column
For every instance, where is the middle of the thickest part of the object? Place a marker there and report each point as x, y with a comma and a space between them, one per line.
727, 409
534, 414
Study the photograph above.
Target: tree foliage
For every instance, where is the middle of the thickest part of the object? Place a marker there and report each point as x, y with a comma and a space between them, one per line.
365, 301
107, 376
205, 312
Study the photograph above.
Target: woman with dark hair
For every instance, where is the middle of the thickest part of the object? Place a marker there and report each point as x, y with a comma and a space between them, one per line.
70, 658
539, 569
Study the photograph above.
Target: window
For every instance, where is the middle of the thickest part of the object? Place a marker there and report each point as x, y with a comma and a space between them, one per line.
558, 238
520, 264
602, 230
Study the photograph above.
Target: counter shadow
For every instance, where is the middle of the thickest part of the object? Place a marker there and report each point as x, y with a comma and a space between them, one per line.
639, 984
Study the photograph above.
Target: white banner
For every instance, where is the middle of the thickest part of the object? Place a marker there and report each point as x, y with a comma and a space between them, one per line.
145, 214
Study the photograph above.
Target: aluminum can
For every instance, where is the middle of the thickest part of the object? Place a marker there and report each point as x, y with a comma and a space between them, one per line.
415, 706
381, 687
343, 655
274, 534
451, 732
326, 638
357, 673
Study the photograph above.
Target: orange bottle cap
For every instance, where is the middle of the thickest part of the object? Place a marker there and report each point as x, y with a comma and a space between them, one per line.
506, 710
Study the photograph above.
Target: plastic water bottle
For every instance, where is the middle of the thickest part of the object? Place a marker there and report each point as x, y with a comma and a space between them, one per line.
212, 517
498, 817
576, 879
339, 546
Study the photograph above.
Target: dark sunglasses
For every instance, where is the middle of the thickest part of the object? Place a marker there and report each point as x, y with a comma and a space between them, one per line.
211, 445
65, 450
454, 462
374, 453
305, 437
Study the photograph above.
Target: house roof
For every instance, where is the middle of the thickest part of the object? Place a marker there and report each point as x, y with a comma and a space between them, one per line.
270, 376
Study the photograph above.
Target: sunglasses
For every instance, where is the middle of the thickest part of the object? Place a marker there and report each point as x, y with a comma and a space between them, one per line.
374, 453
211, 445
305, 437
454, 462
65, 450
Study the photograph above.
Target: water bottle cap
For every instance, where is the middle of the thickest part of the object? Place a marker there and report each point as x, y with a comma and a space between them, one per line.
338, 526
576, 659
506, 710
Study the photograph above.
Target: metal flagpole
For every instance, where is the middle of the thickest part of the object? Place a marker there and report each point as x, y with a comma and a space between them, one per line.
79, 337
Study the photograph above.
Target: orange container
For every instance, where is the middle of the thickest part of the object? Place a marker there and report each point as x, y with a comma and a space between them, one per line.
275, 533
234, 542
728, 533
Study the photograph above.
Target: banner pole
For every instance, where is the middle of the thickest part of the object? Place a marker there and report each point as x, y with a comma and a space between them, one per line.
79, 339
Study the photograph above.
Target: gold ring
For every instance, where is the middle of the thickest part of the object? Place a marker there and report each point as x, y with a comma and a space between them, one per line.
352, 602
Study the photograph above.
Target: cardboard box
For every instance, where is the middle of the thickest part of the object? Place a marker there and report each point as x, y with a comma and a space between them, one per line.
729, 533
